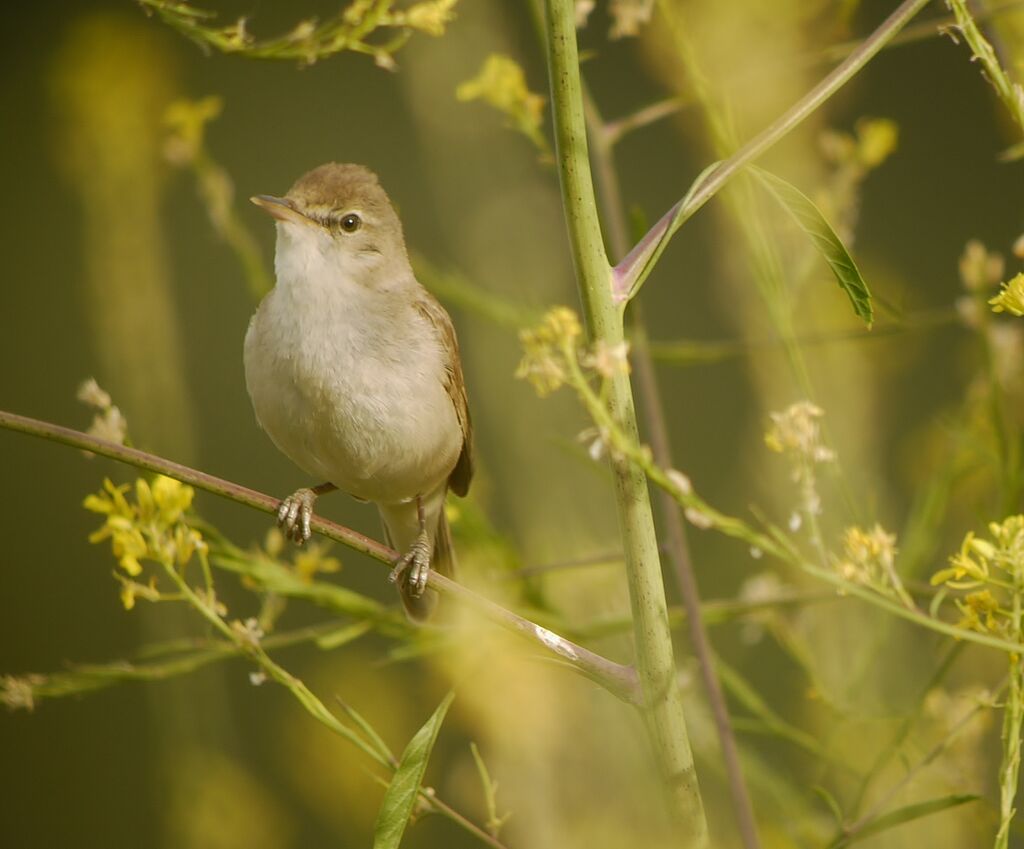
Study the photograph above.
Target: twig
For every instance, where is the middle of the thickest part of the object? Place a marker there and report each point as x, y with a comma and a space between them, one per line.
252, 646
617, 128
87, 677
631, 272
617, 678
308, 41
851, 830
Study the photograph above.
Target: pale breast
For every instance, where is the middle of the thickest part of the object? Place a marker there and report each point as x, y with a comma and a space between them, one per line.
353, 395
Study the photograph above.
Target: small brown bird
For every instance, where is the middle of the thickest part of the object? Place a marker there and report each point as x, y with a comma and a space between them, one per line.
353, 370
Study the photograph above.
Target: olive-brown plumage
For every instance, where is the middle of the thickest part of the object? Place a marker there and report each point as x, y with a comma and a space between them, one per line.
353, 370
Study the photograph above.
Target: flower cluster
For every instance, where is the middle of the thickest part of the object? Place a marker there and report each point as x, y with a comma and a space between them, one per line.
628, 16
869, 558
186, 122
152, 526
796, 432
108, 423
429, 16
552, 355
1011, 297
873, 141
502, 84
993, 570
545, 349
309, 561
980, 268
311, 40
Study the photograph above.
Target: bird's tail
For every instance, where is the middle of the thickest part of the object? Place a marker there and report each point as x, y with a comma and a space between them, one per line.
400, 530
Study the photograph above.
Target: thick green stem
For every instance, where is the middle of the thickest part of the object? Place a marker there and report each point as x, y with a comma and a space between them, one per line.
662, 700
676, 546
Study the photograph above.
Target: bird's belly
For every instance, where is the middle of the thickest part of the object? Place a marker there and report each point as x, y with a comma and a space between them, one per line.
382, 434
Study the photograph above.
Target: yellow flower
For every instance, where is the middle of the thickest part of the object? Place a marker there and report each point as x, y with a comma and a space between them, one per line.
150, 529
313, 559
186, 120
502, 84
431, 16
172, 498
544, 350
876, 140
979, 612
1011, 297
628, 16
128, 594
796, 429
980, 269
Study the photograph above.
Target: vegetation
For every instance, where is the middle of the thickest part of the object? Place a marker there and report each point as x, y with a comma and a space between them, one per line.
887, 655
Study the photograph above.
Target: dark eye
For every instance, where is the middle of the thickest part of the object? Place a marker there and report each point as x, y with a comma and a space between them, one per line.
351, 222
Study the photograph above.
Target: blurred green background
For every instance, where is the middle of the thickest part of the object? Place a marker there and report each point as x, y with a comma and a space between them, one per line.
113, 270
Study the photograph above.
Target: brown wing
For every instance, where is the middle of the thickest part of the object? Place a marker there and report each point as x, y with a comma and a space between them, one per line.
462, 474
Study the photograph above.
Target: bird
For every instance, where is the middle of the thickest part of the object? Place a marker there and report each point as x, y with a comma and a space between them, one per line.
354, 372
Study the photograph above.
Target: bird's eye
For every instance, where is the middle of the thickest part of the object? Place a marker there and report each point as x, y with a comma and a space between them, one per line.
351, 222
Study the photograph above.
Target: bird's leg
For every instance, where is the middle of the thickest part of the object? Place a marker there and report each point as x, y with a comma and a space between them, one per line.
297, 509
415, 563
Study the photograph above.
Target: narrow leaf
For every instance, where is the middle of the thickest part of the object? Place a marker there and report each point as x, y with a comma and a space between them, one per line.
830, 800
344, 635
368, 730
905, 814
829, 245
401, 794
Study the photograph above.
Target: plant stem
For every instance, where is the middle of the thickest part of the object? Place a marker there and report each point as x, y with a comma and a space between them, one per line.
255, 649
618, 679
662, 700
633, 270
670, 512
1013, 716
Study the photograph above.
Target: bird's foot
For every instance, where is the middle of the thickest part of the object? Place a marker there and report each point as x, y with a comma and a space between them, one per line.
414, 565
294, 514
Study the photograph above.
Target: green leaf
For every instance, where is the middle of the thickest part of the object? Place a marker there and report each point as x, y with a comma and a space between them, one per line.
401, 794
830, 800
371, 733
271, 576
344, 635
904, 815
829, 245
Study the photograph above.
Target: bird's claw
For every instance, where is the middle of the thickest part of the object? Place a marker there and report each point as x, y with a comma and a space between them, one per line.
414, 565
294, 514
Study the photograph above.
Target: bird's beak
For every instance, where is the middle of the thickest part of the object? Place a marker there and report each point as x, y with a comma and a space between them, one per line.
280, 208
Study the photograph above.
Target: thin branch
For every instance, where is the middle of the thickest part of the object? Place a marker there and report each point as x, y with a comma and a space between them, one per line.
632, 271
848, 832
771, 541
616, 129
187, 657
685, 351
618, 679
254, 647
309, 40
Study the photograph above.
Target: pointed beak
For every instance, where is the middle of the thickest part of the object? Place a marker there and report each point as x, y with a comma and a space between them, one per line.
281, 209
